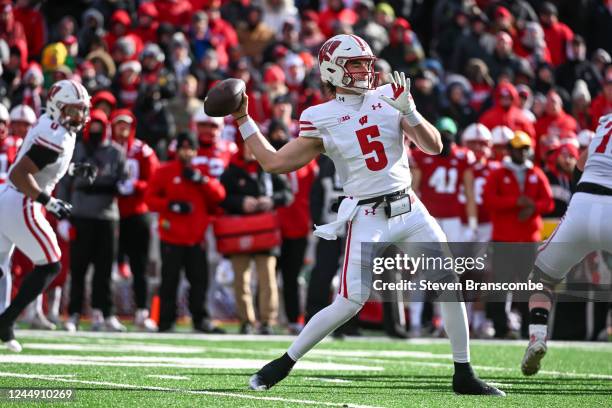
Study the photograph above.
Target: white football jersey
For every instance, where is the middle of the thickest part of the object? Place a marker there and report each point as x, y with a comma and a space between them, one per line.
363, 137
598, 167
51, 135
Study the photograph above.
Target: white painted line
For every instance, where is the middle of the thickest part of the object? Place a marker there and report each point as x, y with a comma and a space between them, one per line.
117, 348
196, 392
328, 380
168, 377
161, 361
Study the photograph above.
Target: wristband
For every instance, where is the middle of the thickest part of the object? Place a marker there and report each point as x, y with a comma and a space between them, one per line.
414, 118
248, 128
43, 198
473, 223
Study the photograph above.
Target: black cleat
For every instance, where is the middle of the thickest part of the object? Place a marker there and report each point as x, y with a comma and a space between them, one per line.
6, 333
272, 373
471, 385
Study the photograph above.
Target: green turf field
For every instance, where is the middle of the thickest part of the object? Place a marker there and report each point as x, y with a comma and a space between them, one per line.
175, 370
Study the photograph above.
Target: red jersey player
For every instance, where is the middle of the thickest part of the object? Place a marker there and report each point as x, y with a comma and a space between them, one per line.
477, 138
437, 180
8, 144
213, 152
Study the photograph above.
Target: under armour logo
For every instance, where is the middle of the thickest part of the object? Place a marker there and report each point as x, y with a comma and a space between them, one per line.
377, 106
363, 120
370, 211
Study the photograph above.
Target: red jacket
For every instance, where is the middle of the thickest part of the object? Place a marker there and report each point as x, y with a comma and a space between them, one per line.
561, 125
599, 107
295, 219
33, 24
178, 13
501, 193
557, 37
514, 117
168, 185
141, 164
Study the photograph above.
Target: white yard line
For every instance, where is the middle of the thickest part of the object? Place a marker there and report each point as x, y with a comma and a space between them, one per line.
328, 380
196, 392
179, 362
117, 348
168, 377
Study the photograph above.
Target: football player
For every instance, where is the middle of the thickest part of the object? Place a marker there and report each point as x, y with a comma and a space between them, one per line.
362, 130
500, 137
477, 138
22, 119
581, 231
42, 161
438, 180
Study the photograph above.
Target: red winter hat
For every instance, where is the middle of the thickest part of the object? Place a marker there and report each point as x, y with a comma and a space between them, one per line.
274, 73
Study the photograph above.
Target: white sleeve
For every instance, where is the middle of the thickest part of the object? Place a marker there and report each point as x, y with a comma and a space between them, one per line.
50, 138
307, 126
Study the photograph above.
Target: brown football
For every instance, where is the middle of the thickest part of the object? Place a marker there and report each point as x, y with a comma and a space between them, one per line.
224, 98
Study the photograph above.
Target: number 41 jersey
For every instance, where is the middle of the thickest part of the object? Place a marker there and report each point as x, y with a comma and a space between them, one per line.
363, 137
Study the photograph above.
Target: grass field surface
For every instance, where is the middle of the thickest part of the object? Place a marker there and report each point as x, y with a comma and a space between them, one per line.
189, 370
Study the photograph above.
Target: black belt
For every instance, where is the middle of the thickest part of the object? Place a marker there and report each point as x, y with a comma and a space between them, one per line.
593, 188
374, 200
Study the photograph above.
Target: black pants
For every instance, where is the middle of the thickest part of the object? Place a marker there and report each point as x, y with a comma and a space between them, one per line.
134, 240
193, 260
95, 243
290, 263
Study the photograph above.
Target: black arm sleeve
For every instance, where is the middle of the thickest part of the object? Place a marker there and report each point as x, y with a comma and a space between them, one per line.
41, 156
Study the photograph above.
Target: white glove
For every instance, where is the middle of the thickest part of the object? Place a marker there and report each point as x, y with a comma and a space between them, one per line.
403, 101
126, 187
63, 229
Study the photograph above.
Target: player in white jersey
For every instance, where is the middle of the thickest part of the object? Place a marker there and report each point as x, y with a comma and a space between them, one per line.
42, 161
582, 230
362, 130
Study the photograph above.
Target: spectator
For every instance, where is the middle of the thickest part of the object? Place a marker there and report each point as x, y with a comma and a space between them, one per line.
477, 73
458, 108
185, 104
174, 12
425, 93
13, 32
581, 104
155, 72
368, 29
556, 34
95, 214
223, 32
469, 44
503, 58
276, 12
127, 83
154, 124
135, 223
103, 63
532, 45
90, 79
199, 34
336, 11
394, 51
282, 110
516, 195
447, 40
599, 23
295, 226
147, 23
545, 78
602, 104
254, 35
506, 112
249, 191
559, 169
180, 60
105, 101
578, 67
526, 101
30, 91
183, 196
27, 12
310, 35
8, 145
120, 23
555, 122
207, 71
601, 59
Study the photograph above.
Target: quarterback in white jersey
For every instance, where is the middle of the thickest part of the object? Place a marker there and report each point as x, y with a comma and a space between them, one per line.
42, 161
362, 130
582, 230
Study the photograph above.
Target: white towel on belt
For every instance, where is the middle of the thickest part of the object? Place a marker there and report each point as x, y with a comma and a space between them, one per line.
346, 212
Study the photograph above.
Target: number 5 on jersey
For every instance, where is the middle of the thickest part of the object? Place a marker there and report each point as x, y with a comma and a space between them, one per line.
374, 149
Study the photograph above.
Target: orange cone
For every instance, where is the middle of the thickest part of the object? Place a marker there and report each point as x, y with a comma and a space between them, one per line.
154, 315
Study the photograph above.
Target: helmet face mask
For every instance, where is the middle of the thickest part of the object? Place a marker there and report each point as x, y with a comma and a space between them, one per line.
335, 57
68, 104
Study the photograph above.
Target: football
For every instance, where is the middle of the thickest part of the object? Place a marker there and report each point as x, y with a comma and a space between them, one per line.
224, 98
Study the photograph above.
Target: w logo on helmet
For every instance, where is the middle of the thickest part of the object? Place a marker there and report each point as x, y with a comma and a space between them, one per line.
326, 51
